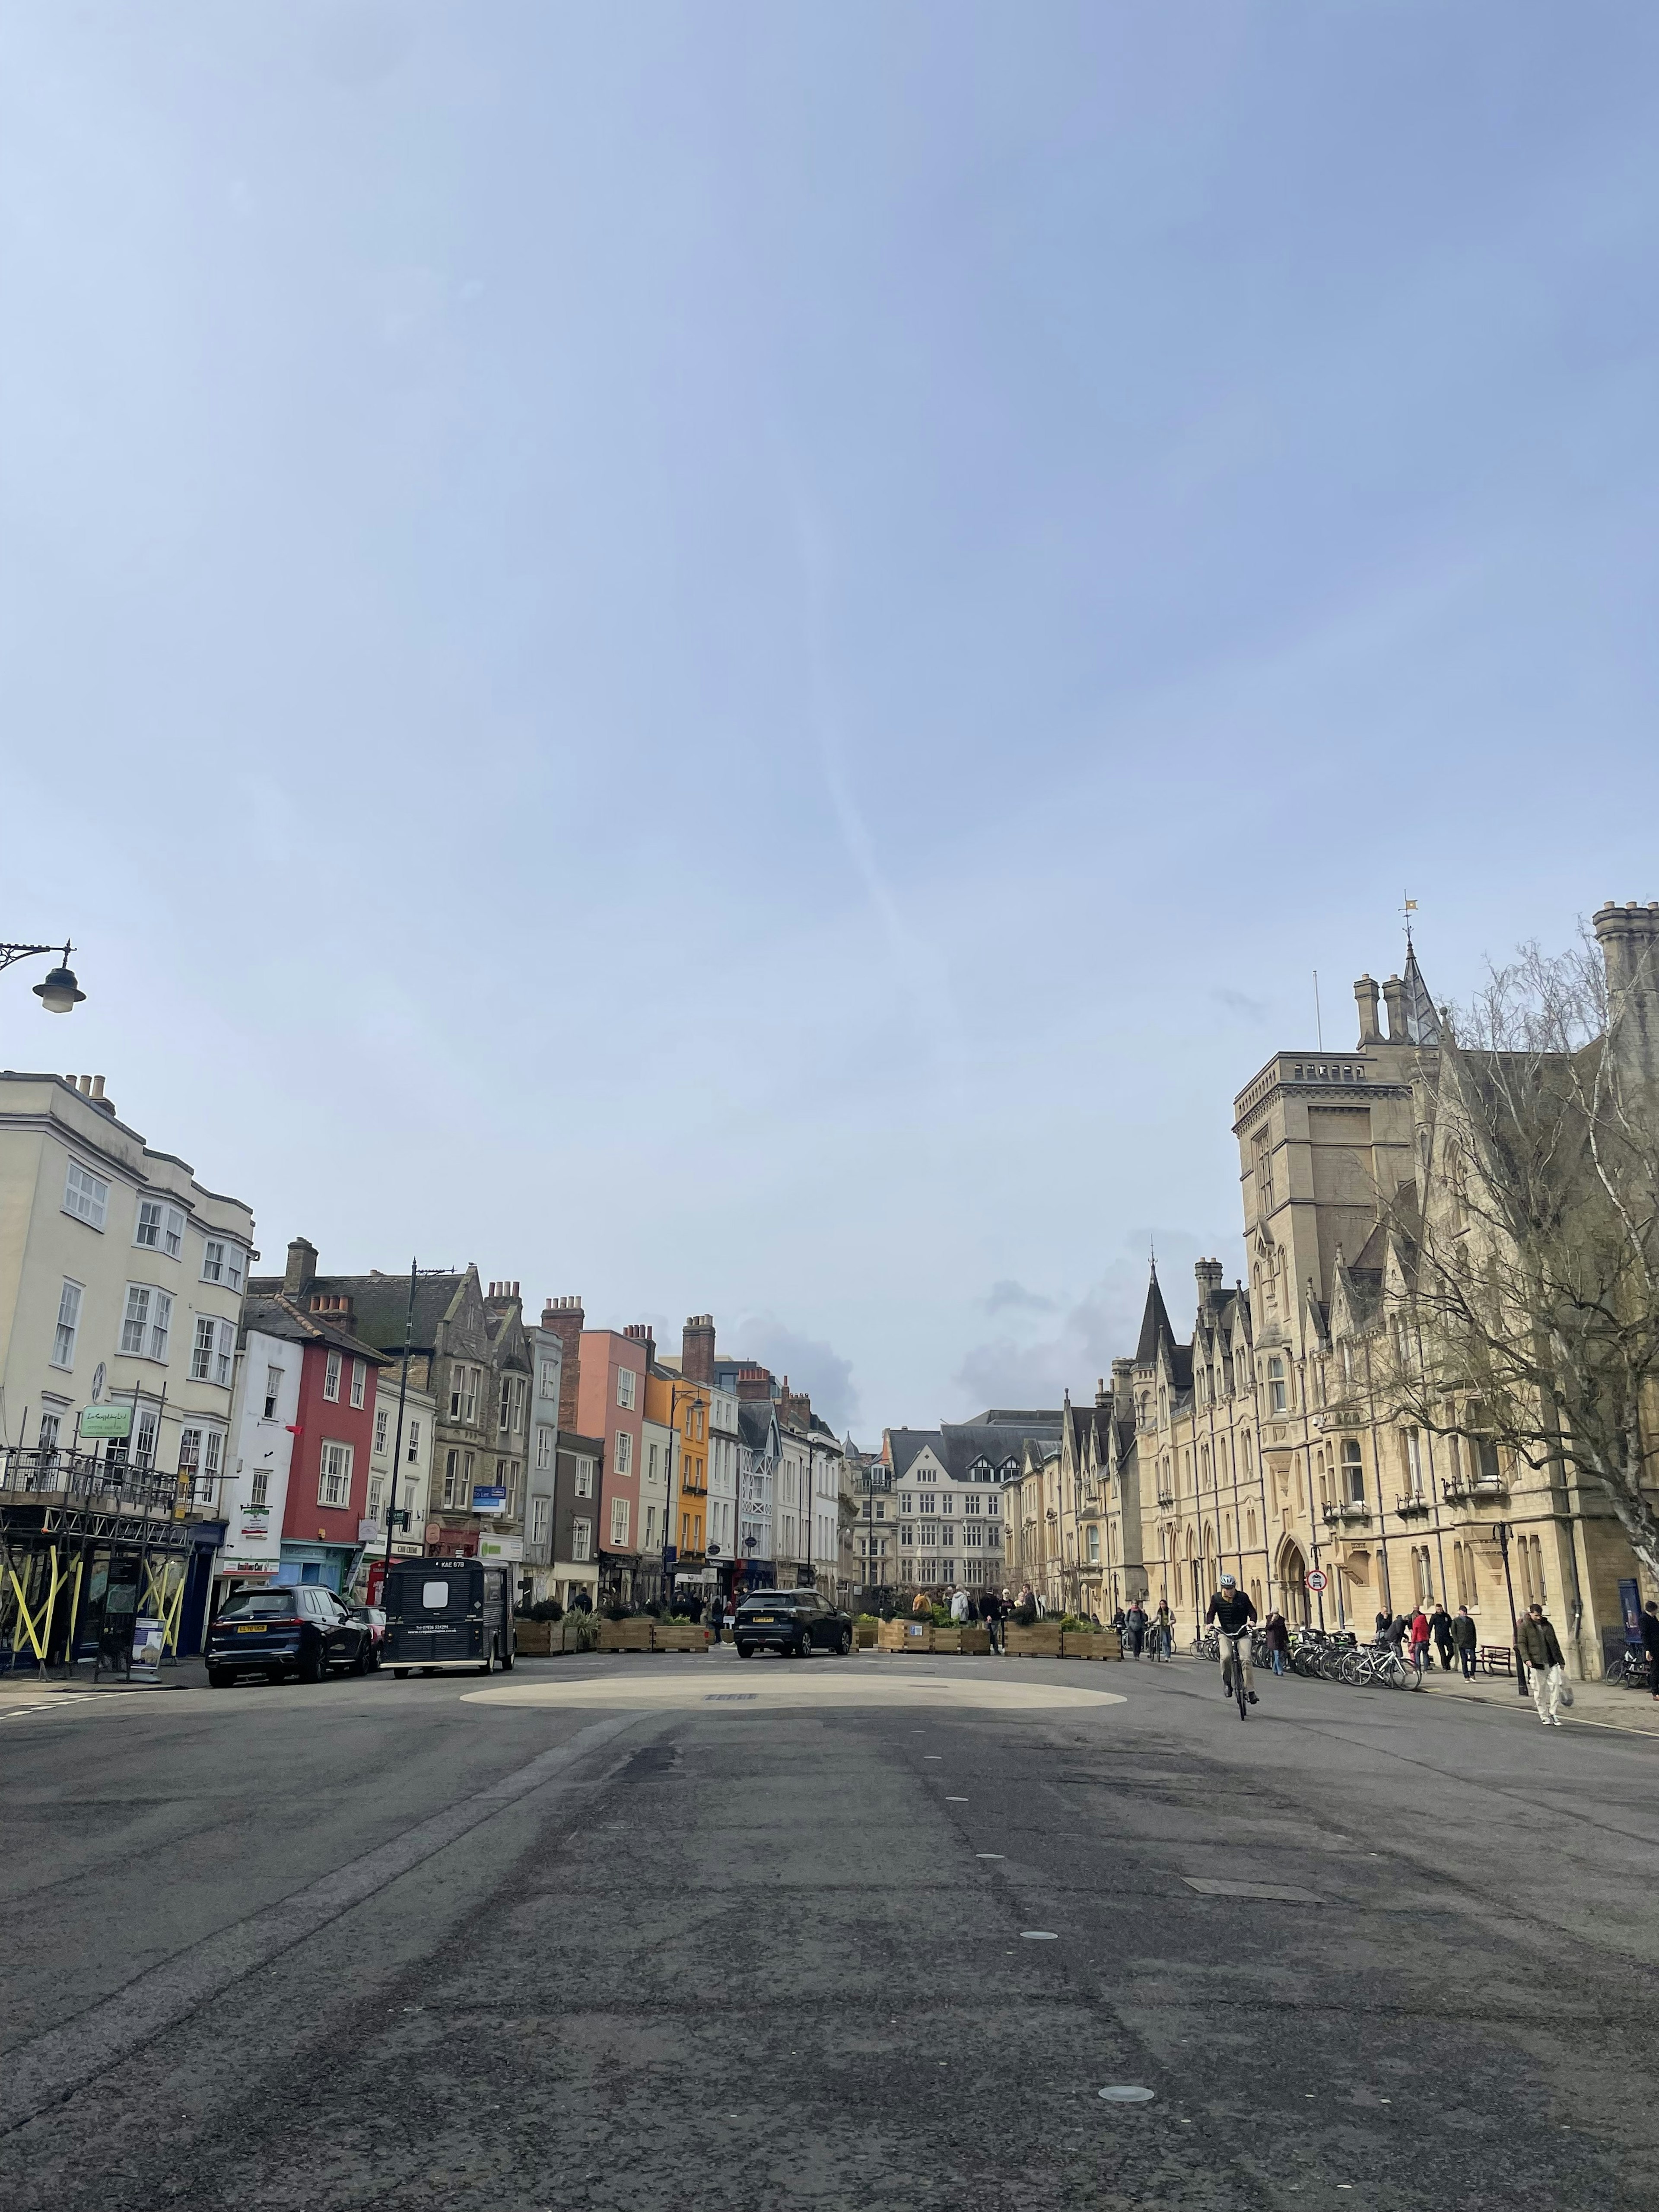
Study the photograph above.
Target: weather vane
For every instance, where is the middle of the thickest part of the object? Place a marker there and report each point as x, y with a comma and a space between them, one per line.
1408, 911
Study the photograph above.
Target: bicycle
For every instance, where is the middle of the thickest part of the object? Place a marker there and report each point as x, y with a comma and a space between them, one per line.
1630, 1671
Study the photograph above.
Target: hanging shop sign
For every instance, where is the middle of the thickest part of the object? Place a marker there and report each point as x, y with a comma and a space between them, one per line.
106, 1420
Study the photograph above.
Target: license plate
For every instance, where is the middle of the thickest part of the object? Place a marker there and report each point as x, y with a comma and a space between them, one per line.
761, 1619
249, 1631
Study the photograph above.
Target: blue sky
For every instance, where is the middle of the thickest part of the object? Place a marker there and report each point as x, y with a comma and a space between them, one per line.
740, 657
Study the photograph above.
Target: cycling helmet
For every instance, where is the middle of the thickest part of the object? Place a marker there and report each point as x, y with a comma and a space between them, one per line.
1227, 1582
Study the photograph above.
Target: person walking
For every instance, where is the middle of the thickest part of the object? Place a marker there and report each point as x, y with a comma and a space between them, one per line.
715, 1610
1135, 1626
990, 1611
1163, 1629
1464, 1637
959, 1606
1420, 1658
1440, 1628
1650, 1642
1278, 1631
1538, 1648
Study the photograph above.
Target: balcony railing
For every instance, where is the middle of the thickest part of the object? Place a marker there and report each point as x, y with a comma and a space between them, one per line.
1463, 1491
1411, 1507
1347, 1511
79, 1479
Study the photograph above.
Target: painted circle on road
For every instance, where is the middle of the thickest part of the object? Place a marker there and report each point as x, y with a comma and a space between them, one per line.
647, 1685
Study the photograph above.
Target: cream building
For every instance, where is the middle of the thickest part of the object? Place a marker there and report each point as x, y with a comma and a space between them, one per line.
121, 1282
414, 1466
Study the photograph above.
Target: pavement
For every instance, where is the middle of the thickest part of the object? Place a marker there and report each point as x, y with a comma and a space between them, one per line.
656, 1931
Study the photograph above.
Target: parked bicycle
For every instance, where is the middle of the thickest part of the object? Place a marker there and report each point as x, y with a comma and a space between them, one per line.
1631, 1669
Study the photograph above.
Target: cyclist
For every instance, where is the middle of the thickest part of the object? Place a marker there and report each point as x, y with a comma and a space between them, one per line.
1232, 1613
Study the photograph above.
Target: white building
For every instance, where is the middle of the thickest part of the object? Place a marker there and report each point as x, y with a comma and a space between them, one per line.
725, 1444
267, 1405
414, 1466
121, 1282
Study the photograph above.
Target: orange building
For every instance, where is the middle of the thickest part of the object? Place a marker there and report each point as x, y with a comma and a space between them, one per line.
679, 1409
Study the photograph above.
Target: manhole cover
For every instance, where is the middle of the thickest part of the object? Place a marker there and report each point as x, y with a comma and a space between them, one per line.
1126, 2093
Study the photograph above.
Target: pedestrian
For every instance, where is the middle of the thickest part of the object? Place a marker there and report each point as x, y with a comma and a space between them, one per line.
1396, 1633
1464, 1635
1539, 1650
1420, 1641
1278, 1631
1650, 1642
1164, 1628
714, 1618
1440, 1627
1382, 1626
959, 1606
1134, 1624
990, 1611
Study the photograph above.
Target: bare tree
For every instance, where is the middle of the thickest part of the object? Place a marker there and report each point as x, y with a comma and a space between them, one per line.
1528, 1317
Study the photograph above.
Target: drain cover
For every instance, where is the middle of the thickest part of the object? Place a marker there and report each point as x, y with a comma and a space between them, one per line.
1126, 2093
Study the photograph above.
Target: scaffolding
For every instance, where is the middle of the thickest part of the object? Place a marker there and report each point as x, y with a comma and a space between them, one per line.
88, 1546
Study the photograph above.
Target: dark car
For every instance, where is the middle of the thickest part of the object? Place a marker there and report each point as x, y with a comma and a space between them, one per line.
795, 1622
303, 1632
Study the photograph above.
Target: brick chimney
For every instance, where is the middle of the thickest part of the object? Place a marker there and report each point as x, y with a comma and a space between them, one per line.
639, 1332
1365, 997
301, 1270
754, 1384
1208, 1273
795, 1405
1123, 1390
1629, 938
564, 1318
697, 1348
1393, 998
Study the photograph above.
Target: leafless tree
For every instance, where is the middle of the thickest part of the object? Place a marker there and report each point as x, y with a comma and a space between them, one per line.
1529, 1314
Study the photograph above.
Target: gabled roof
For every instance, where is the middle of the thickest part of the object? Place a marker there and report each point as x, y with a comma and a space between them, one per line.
1422, 1023
380, 1303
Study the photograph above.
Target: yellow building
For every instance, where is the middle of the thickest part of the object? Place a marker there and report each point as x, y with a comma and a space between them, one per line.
678, 1409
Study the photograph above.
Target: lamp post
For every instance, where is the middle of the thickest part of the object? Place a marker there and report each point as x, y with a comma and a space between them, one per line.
60, 993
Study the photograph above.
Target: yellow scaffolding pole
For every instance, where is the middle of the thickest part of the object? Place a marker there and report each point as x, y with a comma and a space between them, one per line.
37, 1622
164, 1599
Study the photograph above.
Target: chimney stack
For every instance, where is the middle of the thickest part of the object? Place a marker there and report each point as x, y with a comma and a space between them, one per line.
795, 1405
753, 1384
1394, 997
564, 1318
1208, 1273
1365, 994
1123, 1390
697, 1348
1629, 938
639, 1332
301, 1269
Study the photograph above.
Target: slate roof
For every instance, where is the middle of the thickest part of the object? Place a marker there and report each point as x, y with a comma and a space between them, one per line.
281, 1318
380, 1303
1154, 1325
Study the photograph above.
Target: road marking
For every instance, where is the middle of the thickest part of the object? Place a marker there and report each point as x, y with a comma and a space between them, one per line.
1126, 2093
1038, 1936
956, 1801
1207, 1888
49, 2067
634, 1688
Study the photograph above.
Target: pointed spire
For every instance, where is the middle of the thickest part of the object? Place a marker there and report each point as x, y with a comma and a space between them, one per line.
1422, 1023
1154, 1325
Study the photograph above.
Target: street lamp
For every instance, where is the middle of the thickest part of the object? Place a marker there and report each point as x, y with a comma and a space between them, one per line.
60, 993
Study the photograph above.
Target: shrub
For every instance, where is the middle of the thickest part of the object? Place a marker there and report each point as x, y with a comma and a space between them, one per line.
545, 1608
616, 1610
1026, 1615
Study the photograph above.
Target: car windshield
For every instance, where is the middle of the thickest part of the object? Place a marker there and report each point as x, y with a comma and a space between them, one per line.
260, 1605
770, 1601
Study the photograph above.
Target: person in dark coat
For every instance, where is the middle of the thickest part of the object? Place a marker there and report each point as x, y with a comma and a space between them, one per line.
1464, 1635
1650, 1642
990, 1611
1278, 1631
1538, 1648
1440, 1628
1135, 1626
1382, 1626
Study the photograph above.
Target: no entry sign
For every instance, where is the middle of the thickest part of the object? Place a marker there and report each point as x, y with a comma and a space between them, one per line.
1318, 1580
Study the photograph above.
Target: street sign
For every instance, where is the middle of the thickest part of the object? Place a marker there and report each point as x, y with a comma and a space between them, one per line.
1318, 1580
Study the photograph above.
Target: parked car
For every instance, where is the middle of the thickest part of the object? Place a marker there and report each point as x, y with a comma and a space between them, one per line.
375, 1617
305, 1632
795, 1622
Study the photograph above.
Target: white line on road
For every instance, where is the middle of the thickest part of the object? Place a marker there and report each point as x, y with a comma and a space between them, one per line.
52, 2066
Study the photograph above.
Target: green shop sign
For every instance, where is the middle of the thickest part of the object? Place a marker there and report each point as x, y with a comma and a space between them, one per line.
106, 1421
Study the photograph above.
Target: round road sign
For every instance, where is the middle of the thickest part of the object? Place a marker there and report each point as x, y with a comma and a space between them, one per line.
1318, 1580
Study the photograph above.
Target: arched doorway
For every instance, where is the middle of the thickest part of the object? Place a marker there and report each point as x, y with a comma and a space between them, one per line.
1292, 1572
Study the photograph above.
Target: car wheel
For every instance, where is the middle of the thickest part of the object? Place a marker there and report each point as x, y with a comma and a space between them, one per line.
222, 1678
364, 1660
311, 1667
488, 1667
846, 1643
803, 1649
745, 1651
400, 1674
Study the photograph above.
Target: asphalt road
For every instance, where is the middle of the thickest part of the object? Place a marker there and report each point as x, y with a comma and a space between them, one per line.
397, 1944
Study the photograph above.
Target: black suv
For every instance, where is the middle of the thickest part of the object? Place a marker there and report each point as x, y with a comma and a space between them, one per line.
794, 1622
274, 1633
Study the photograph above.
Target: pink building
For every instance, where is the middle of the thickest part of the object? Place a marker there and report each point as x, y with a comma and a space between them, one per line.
610, 1403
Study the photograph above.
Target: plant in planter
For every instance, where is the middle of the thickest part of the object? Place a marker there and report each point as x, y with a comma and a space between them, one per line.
1025, 1614
616, 1610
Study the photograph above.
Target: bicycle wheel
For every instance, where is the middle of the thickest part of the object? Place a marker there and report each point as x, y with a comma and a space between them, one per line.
1238, 1689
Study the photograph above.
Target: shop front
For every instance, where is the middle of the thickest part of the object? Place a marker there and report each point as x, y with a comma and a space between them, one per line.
330, 1564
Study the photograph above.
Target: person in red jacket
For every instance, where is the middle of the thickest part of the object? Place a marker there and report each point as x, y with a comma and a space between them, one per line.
1421, 1633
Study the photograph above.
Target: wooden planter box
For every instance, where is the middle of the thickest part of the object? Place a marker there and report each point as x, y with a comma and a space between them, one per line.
1097, 1643
679, 1636
625, 1635
975, 1640
864, 1635
1040, 1641
906, 1636
947, 1639
536, 1639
